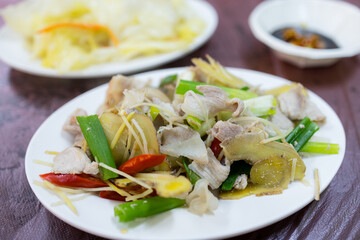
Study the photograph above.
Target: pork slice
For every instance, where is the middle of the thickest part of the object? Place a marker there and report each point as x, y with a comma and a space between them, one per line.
223, 130
115, 91
212, 102
74, 161
213, 171
281, 121
72, 127
296, 105
179, 141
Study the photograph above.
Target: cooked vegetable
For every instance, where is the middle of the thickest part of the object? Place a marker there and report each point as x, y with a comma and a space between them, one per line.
297, 130
125, 141
73, 180
112, 195
111, 124
99, 147
215, 147
166, 185
93, 27
193, 177
251, 189
272, 172
206, 125
262, 106
237, 168
302, 133
318, 147
304, 137
185, 86
168, 80
154, 112
217, 74
146, 207
248, 146
141, 162
194, 122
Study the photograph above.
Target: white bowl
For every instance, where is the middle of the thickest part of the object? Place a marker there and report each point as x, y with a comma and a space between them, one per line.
338, 20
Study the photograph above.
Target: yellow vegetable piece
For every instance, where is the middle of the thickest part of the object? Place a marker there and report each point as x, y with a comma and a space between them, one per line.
272, 172
166, 185
251, 189
249, 147
279, 90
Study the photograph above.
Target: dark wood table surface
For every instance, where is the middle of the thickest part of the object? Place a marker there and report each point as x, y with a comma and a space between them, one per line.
27, 100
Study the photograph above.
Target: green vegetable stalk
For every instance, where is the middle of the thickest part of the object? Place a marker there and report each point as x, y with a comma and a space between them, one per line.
318, 147
297, 130
301, 134
185, 86
194, 122
98, 144
146, 207
168, 80
237, 168
193, 177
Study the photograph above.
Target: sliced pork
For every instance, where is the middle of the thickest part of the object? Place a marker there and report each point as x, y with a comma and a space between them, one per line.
208, 105
180, 141
223, 130
73, 160
296, 105
214, 171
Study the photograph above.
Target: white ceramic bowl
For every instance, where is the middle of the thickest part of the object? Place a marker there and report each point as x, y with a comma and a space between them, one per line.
337, 20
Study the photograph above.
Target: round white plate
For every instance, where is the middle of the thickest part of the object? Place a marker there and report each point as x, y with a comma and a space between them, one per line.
13, 52
233, 217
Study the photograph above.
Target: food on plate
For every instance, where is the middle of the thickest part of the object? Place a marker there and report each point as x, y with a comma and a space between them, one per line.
304, 38
74, 34
201, 136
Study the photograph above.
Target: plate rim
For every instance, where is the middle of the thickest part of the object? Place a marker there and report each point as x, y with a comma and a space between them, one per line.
230, 234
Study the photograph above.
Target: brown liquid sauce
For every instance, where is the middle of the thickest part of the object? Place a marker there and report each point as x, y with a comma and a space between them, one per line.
304, 38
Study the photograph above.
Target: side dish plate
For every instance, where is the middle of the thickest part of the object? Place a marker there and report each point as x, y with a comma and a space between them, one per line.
14, 53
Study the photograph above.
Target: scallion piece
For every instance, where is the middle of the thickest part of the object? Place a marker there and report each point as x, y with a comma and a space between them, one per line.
318, 147
305, 135
237, 168
194, 122
146, 207
185, 86
98, 144
297, 130
154, 112
301, 134
168, 80
193, 177
262, 106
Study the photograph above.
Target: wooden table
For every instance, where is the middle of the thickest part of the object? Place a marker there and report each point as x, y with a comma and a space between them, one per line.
27, 100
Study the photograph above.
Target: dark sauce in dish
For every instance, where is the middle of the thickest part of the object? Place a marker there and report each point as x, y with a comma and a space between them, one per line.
304, 38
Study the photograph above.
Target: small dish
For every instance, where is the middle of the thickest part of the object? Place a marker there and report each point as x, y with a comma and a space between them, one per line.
337, 20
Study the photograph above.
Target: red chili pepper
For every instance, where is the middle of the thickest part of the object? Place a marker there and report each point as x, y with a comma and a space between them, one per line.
141, 162
111, 195
73, 180
215, 147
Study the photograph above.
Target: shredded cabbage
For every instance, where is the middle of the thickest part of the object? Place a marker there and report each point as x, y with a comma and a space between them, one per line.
140, 27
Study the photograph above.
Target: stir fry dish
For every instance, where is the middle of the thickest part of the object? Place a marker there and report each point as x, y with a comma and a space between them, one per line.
200, 136
74, 34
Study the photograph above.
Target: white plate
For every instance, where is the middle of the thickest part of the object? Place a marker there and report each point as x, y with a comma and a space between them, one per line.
233, 217
13, 52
